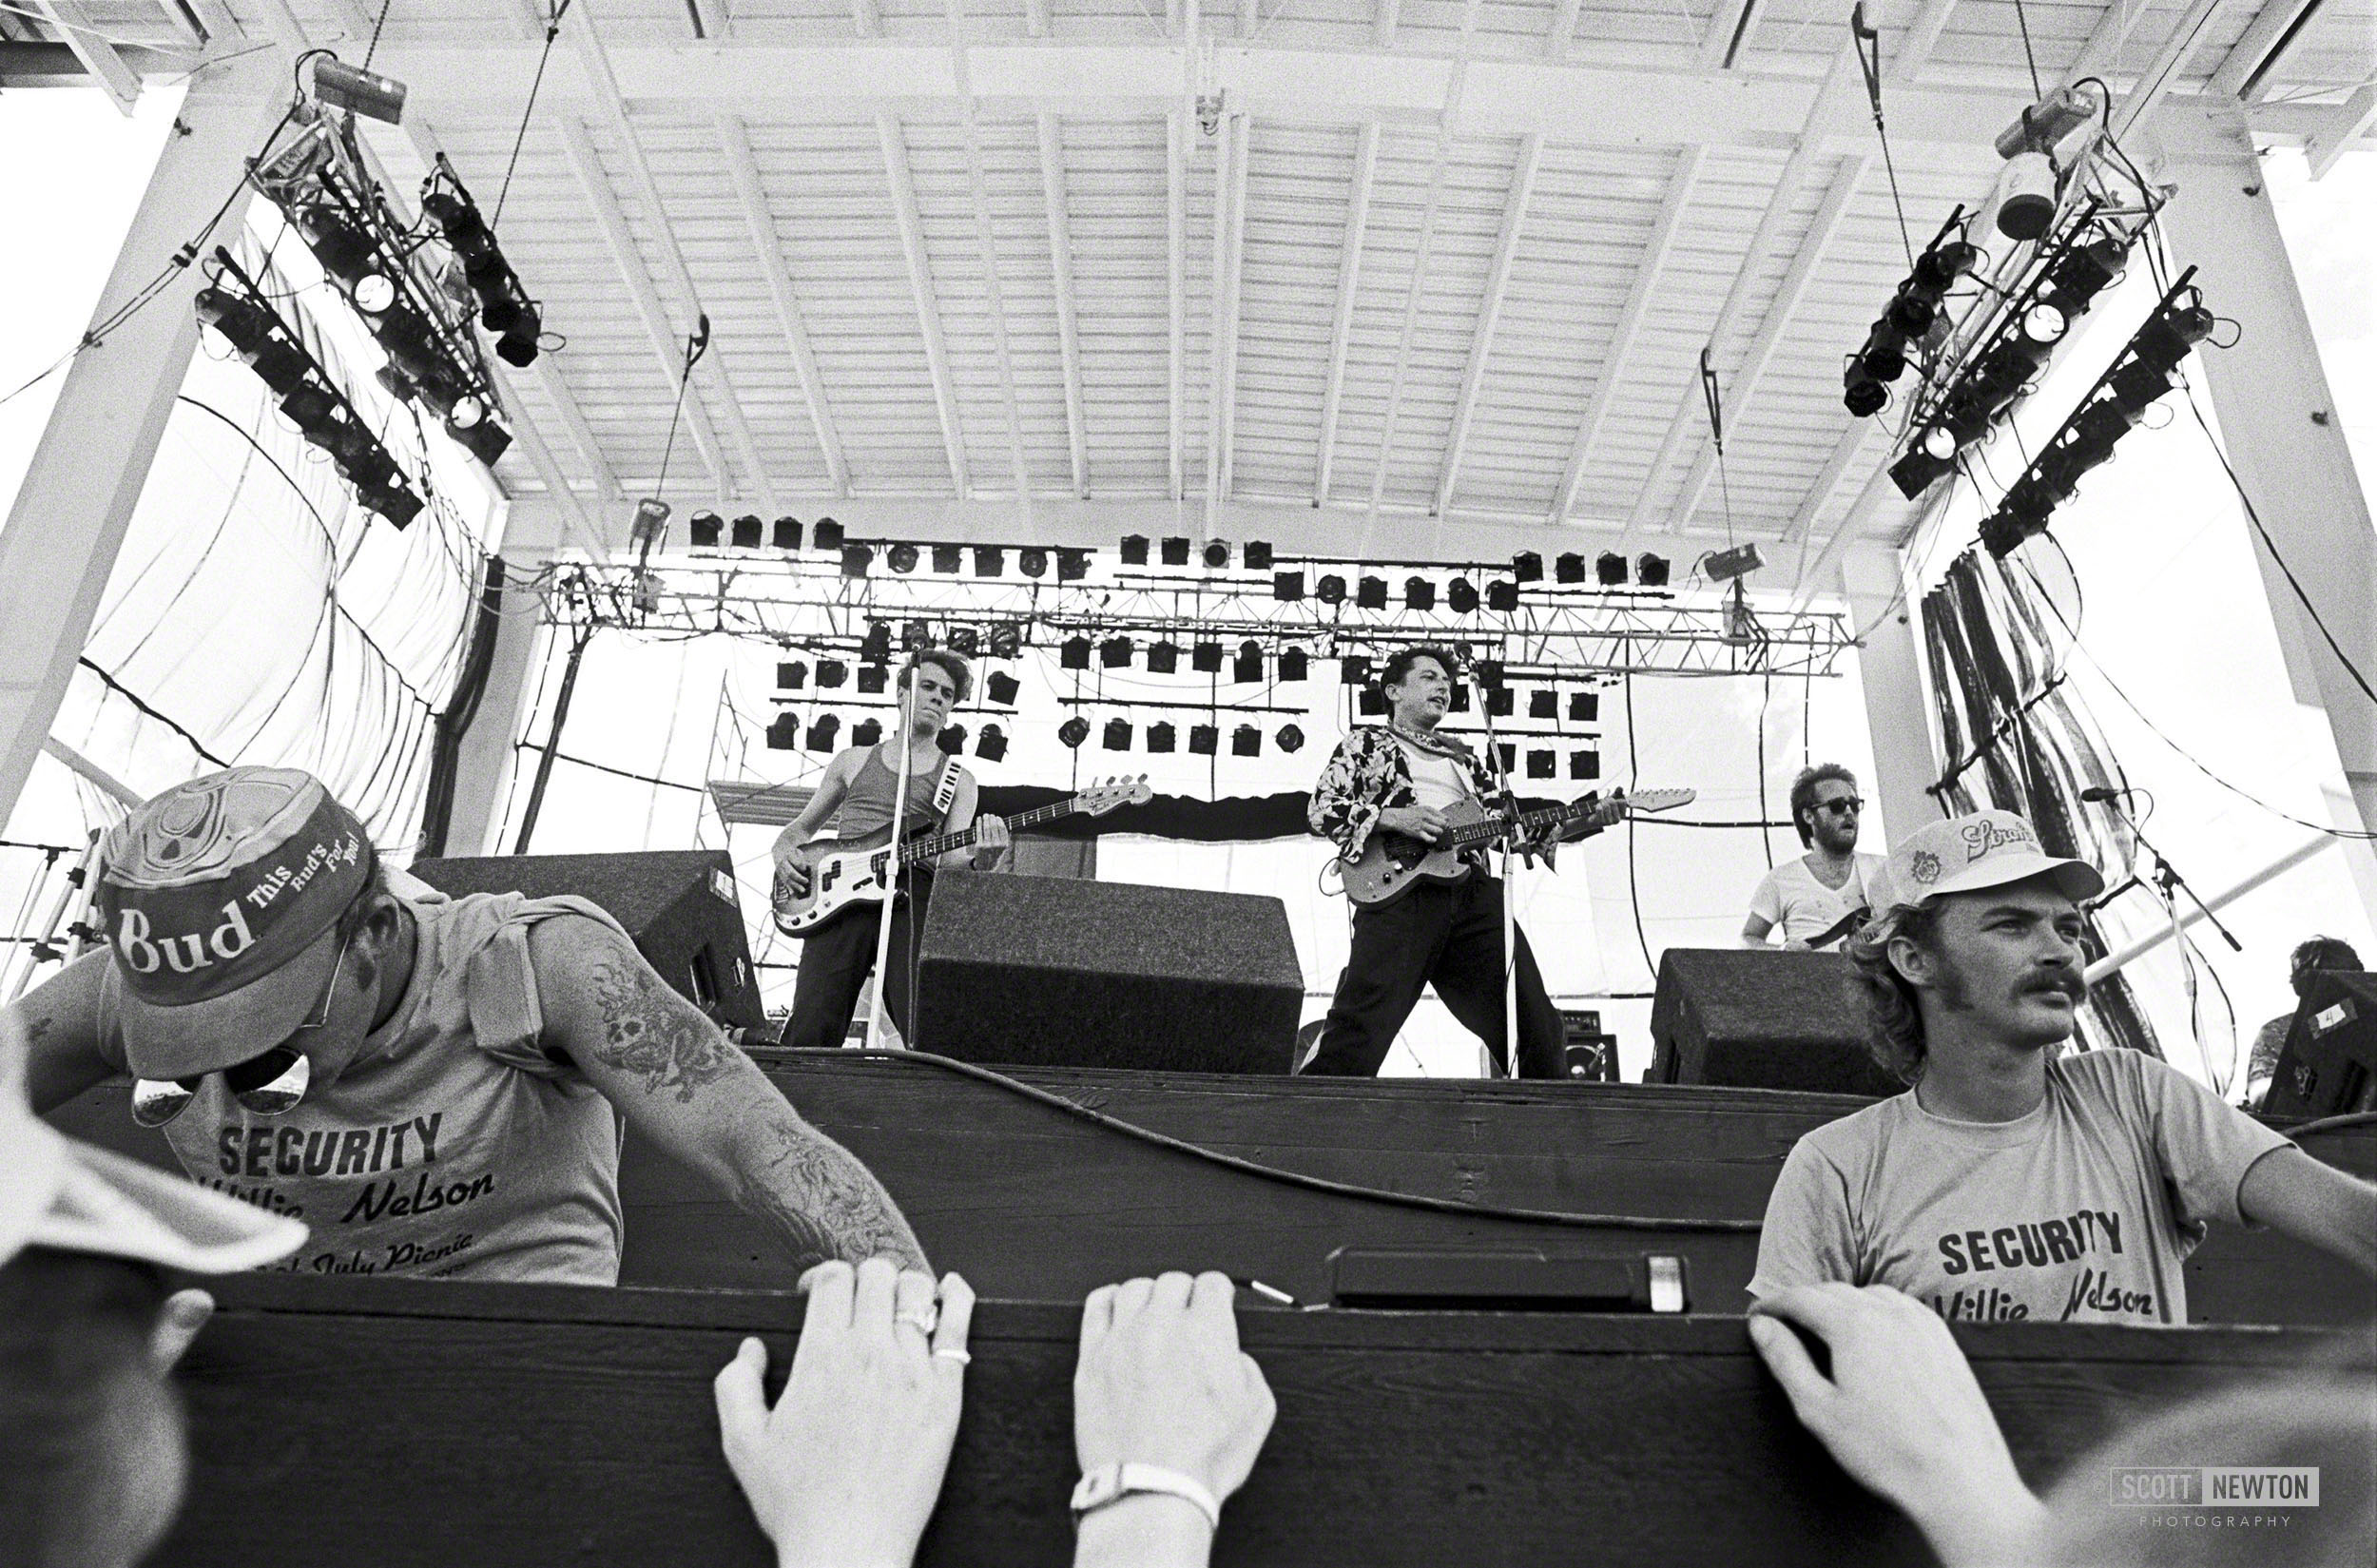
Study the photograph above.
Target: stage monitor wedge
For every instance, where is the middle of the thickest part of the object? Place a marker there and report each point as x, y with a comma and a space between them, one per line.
1742, 1018
2329, 1065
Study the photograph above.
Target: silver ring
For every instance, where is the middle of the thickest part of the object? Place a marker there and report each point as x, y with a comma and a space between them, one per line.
947, 1353
925, 1318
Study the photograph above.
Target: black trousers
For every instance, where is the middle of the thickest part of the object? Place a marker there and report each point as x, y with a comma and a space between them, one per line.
839, 957
1448, 935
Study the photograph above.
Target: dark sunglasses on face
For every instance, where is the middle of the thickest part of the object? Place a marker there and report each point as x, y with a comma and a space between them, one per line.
272, 1084
1847, 806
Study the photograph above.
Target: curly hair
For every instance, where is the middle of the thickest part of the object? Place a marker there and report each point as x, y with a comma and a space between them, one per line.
952, 665
1895, 1032
1804, 794
1400, 662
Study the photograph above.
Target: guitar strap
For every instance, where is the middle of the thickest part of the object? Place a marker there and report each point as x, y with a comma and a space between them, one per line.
945, 792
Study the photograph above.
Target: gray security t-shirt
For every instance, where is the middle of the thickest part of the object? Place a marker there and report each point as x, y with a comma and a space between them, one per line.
2083, 1210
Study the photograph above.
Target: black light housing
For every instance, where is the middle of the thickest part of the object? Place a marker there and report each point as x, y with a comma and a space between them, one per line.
1291, 663
1203, 739
831, 673
1134, 550
1006, 640
1216, 554
992, 747
783, 733
1162, 737
866, 732
1527, 567
1290, 738
1609, 568
1570, 568
1543, 704
1206, 658
873, 679
1163, 658
1114, 653
1460, 597
1584, 707
749, 531
1002, 687
826, 534
1584, 764
1371, 593
704, 528
856, 559
787, 535
949, 559
1330, 590
1032, 562
989, 561
964, 641
1245, 741
1500, 702
1175, 552
820, 735
1287, 586
902, 558
1353, 669
952, 739
1418, 593
1071, 565
1650, 570
791, 675
1257, 555
1542, 764
1072, 732
1246, 670
1502, 594
876, 645
1073, 654
1117, 734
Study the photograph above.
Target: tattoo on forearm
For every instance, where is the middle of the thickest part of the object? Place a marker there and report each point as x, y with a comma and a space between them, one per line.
821, 1199
650, 1032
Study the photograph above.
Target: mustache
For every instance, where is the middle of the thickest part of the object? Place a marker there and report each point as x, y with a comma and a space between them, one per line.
2067, 982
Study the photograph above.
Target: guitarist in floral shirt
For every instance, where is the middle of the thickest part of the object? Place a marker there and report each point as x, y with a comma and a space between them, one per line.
1400, 778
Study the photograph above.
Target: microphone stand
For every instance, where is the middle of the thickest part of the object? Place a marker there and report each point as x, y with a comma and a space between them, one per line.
1509, 1067
2168, 884
891, 874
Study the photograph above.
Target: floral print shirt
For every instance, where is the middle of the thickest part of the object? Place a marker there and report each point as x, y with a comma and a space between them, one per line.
1367, 775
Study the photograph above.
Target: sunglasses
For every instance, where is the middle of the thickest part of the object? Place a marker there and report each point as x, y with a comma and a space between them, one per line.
1847, 806
272, 1084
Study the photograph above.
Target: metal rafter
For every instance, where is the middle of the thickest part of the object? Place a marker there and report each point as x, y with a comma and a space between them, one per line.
1176, 251
986, 237
2096, 56
1630, 320
1348, 278
1743, 388
107, 67
1689, 415
903, 193
1489, 312
1390, 15
712, 369
709, 16
1921, 38
1068, 321
751, 192
1730, 20
1229, 249
668, 344
2169, 64
2344, 124
2264, 42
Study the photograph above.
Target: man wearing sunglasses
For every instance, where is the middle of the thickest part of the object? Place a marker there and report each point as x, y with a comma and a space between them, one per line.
1819, 899
432, 1085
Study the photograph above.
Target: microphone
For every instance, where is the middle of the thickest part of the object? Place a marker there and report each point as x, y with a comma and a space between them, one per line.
2102, 793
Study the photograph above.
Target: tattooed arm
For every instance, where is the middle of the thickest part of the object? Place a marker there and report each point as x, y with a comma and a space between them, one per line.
681, 1083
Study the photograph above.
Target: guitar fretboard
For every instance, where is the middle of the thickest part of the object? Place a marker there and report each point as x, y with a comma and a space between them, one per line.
918, 850
1478, 833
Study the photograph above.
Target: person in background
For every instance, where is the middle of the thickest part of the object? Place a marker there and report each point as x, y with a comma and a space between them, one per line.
1899, 1408
2008, 1182
1169, 1417
434, 1085
1820, 898
93, 1454
2317, 956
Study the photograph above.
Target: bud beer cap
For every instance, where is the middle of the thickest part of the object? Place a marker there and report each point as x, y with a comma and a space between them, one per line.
219, 898
1985, 849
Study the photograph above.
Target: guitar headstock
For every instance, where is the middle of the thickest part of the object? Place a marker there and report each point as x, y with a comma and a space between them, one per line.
1107, 794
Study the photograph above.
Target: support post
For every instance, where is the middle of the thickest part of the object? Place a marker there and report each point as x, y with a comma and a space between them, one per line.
59, 544
1890, 663
484, 770
2278, 424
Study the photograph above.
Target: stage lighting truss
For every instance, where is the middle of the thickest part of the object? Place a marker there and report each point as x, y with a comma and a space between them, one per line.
305, 392
415, 297
2142, 373
1905, 329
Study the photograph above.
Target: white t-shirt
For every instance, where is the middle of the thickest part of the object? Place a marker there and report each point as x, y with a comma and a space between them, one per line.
1437, 781
1790, 897
2082, 1212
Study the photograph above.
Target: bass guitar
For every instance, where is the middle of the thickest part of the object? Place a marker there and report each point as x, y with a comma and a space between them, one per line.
846, 872
1392, 864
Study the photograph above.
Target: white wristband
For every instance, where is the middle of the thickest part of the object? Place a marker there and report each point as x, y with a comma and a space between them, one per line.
1111, 1483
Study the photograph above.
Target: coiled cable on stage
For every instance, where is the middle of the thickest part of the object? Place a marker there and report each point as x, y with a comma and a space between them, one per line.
1298, 1178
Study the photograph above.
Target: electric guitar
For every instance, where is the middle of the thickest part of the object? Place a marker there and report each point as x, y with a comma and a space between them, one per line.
1392, 864
844, 871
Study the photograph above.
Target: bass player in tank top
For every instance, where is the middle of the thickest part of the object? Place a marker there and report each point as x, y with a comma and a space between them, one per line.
856, 796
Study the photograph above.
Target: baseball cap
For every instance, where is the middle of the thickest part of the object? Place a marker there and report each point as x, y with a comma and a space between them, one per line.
219, 898
70, 1195
1985, 849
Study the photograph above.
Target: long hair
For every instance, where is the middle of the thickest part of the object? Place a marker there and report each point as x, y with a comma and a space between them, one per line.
1804, 794
1895, 1023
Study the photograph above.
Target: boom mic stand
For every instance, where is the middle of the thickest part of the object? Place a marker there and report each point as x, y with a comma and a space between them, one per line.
2168, 884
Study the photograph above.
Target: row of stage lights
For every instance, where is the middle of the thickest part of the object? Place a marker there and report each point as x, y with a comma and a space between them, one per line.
303, 391
823, 735
2142, 373
709, 531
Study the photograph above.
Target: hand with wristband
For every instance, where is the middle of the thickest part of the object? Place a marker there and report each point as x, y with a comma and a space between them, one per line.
844, 1470
1168, 1416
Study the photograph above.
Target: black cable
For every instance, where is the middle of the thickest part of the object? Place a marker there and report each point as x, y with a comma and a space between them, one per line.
2022, 17
1298, 1178
1859, 37
138, 701
373, 48
552, 32
1634, 886
2332, 1124
605, 767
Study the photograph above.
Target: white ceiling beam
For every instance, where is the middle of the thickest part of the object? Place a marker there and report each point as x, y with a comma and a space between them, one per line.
2258, 46
767, 244
548, 471
1489, 312
1411, 317
1727, 22
995, 299
903, 193
1843, 81
1036, 17
612, 109
1229, 250
2344, 124
1845, 452
1067, 319
1390, 16
1249, 16
556, 389
1563, 37
1348, 279
107, 67
668, 345
1921, 38
1567, 103
866, 18
2103, 49
1742, 389
710, 16
1630, 320
2169, 64
1176, 252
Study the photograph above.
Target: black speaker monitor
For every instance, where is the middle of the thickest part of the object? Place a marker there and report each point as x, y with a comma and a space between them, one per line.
678, 906
2328, 1066
1749, 1018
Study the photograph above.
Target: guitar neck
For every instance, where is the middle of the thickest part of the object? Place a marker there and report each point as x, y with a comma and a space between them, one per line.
915, 851
1485, 832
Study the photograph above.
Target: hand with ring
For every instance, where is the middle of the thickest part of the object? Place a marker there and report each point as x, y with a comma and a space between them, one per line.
843, 1471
